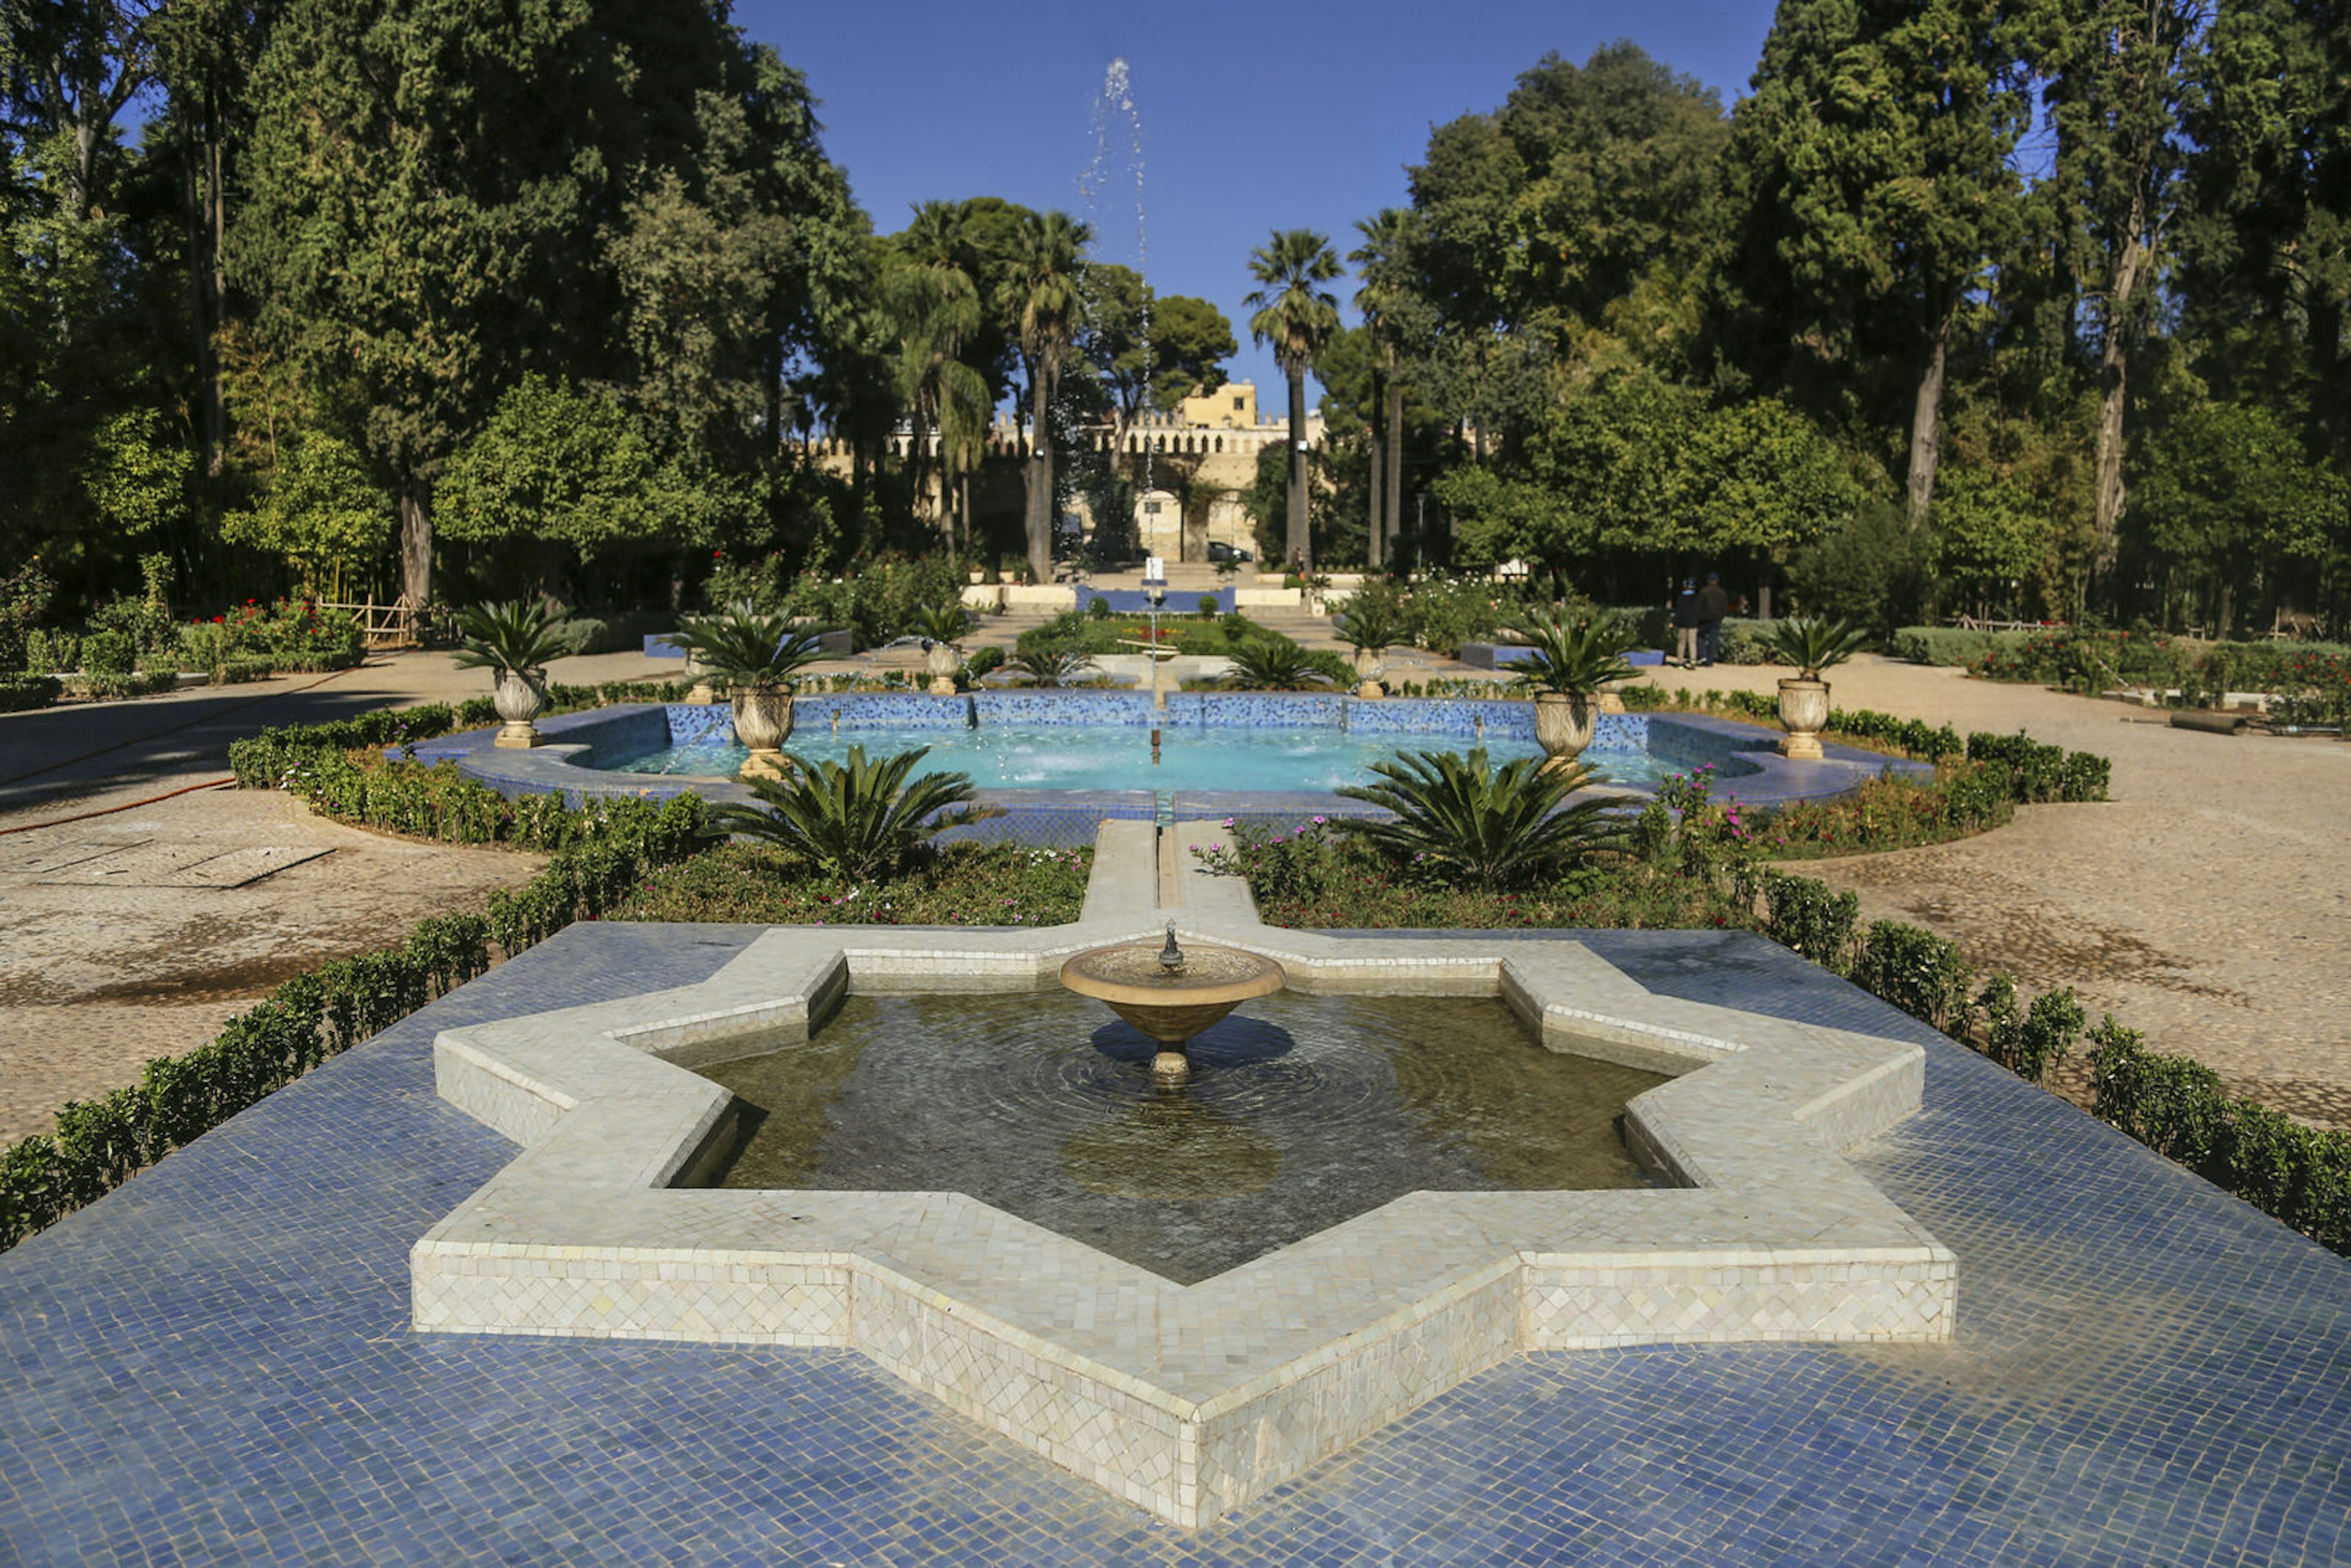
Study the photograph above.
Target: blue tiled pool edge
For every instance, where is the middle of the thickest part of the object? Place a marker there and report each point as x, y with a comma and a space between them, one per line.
1748, 768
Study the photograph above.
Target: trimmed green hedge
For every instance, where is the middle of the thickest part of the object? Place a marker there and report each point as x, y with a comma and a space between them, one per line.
326, 1010
20, 694
2301, 1176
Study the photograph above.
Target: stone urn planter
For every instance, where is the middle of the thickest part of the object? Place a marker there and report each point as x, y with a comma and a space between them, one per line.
763, 718
1371, 664
518, 696
700, 693
1804, 710
1563, 724
945, 660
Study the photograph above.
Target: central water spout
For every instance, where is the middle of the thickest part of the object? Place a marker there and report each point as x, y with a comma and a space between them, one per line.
1171, 956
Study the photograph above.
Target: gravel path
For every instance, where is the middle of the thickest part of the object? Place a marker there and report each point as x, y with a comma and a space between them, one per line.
2207, 904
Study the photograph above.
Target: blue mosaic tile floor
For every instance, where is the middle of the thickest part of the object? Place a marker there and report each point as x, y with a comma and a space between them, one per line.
212, 1366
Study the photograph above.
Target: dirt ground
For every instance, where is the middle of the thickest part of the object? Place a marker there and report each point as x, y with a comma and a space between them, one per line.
2205, 903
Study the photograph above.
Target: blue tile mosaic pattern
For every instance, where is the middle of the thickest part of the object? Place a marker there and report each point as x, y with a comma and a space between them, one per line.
212, 1366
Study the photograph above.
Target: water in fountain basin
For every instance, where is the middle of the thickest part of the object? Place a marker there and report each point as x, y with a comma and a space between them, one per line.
1014, 757
1303, 1112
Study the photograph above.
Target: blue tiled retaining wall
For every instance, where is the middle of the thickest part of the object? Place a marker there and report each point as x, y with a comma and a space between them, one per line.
1745, 765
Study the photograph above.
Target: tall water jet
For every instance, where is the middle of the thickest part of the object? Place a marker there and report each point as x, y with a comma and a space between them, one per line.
1110, 188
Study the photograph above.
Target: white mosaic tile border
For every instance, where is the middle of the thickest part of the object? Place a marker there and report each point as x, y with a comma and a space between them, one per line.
1186, 1401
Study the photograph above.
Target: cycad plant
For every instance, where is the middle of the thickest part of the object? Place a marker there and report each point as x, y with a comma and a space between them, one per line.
856, 820
1272, 663
1494, 827
941, 627
1813, 643
742, 647
1575, 657
515, 634
1050, 664
1371, 626
514, 639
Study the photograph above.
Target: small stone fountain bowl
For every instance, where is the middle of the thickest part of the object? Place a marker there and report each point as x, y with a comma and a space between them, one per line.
1171, 1005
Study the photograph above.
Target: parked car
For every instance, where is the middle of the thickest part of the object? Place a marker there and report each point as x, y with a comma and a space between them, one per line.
1221, 552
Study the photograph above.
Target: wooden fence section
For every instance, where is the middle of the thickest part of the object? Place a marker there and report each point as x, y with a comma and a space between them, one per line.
394, 625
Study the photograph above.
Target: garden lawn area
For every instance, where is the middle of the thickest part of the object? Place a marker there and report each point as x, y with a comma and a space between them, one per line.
962, 885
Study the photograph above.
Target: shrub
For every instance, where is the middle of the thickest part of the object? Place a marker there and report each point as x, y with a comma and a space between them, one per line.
109, 653
1805, 916
1916, 970
2029, 1044
2035, 773
2170, 1104
19, 693
1948, 647
52, 652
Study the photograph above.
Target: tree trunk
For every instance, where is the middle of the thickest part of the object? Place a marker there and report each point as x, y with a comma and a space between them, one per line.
1300, 543
2114, 376
1927, 425
1041, 483
415, 540
1392, 449
208, 354
1373, 555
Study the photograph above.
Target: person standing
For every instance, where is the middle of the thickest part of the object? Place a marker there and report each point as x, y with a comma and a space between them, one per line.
1713, 605
1685, 625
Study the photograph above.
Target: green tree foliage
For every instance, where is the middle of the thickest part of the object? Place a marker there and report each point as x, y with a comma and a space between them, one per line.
569, 475
2229, 509
1874, 160
1044, 284
322, 512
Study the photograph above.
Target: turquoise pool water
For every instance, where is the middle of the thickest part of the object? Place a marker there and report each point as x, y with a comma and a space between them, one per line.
1009, 756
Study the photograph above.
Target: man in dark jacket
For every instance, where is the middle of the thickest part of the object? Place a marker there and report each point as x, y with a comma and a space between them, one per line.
1686, 625
1713, 605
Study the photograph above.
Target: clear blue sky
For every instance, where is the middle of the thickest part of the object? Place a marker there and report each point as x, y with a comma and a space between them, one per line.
1254, 117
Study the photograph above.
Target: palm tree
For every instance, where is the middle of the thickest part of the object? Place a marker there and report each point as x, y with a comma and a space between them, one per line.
1046, 288
1298, 320
935, 304
1386, 260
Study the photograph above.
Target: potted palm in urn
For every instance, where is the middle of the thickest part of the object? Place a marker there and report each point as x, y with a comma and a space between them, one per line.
514, 639
942, 627
1573, 662
1371, 626
753, 656
1811, 643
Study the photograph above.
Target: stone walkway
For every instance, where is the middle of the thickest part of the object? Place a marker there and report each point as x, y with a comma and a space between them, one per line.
2208, 904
